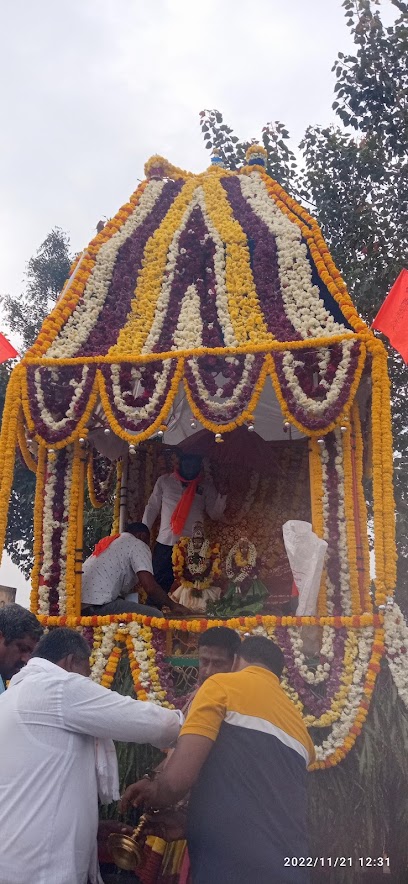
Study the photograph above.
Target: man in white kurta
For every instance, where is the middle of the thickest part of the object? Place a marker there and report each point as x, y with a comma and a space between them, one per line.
53, 728
164, 501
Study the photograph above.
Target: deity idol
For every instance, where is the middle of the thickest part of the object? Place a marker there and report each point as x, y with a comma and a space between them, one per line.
245, 593
196, 566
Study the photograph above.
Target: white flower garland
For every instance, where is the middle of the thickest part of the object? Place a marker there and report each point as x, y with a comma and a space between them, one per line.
48, 525
303, 305
219, 407
396, 643
189, 333
101, 655
45, 415
341, 727
144, 411
144, 656
344, 574
314, 406
190, 315
81, 322
191, 553
322, 671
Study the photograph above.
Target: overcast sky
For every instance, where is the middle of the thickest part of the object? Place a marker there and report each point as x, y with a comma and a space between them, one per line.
90, 89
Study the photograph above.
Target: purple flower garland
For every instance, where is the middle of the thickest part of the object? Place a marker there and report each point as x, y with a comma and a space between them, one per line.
123, 283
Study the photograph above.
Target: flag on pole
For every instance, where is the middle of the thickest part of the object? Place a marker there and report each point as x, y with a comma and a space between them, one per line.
392, 317
6, 350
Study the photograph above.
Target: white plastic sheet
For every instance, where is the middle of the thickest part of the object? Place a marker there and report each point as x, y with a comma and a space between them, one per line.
306, 552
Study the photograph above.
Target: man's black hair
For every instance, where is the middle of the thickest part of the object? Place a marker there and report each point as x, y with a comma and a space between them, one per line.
260, 650
16, 622
136, 528
61, 642
221, 637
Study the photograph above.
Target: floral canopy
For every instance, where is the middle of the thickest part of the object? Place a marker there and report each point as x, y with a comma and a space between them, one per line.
209, 301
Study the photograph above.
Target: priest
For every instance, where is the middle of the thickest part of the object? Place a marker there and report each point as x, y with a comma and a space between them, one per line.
180, 499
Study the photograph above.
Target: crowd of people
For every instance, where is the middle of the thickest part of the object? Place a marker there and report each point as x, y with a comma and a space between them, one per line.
234, 787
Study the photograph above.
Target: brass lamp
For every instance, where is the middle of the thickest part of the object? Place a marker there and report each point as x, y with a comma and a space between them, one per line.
126, 851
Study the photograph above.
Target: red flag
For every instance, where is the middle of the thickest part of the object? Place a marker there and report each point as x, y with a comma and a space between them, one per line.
6, 350
392, 317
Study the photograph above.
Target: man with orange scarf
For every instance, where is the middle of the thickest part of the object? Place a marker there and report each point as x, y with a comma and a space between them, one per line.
180, 499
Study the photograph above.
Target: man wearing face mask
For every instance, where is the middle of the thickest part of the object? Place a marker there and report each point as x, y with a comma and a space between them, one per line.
181, 499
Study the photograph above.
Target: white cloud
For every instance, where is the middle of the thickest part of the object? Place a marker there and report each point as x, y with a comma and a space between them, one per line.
92, 88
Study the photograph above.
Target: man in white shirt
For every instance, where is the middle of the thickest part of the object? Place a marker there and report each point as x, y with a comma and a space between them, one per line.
56, 754
111, 572
20, 632
180, 499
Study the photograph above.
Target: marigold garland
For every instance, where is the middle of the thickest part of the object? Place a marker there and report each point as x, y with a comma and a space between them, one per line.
362, 505
243, 300
28, 458
133, 336
71, 294
350, 522
8, 443
75, 469
316, 492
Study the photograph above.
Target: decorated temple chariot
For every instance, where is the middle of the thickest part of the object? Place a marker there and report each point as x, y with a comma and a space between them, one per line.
208, 317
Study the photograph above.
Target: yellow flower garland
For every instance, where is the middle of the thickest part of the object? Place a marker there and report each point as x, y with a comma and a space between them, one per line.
341, 696
80, 428
8, 443
339, 754
323, 261
71, 293
157, 424
179, 562
243, 302
331, 426
316, 493
350, 522
133, 335
22, 444
91, 484
362, 505
243, 624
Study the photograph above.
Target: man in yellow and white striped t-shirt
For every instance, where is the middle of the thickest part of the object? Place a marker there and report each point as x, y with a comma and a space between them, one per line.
244, 752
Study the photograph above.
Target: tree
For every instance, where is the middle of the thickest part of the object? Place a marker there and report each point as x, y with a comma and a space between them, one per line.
46, 273
354, 179
45, 277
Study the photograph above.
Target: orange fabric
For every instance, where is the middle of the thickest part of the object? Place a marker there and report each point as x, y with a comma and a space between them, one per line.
104, 543
181, 511
392, 317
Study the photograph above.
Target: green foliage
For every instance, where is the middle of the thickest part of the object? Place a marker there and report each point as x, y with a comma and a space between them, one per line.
45, 277
356, 184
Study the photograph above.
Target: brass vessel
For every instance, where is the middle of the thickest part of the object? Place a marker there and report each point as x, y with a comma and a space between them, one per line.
126, 851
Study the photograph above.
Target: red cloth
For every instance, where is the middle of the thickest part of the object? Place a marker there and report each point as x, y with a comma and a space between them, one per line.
295, 591
6, 350
182, 509
103, 544
392, 317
